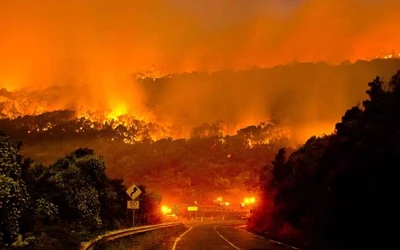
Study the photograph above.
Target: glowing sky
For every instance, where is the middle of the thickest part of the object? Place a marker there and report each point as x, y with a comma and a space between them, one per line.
90, 48
75, 38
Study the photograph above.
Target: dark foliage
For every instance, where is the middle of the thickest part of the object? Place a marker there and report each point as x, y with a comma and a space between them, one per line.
149, 211
339, 190
61, 205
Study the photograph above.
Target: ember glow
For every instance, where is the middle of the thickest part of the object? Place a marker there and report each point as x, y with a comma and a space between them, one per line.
92, 56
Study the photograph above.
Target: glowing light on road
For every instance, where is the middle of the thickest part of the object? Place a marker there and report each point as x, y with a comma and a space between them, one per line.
220, 201
248, 201
165, 210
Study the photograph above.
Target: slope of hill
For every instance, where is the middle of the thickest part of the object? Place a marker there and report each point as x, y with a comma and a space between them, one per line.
217, 158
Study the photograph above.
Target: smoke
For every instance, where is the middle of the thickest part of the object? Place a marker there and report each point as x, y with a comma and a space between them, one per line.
83, 52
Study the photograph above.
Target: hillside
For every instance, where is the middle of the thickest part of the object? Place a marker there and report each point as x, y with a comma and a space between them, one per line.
186, 169
206, 155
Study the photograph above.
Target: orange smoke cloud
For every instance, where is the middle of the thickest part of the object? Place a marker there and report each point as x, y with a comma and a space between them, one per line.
45, 42
82, 53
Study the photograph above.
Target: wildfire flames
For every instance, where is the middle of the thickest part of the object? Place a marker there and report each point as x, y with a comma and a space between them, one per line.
97, 61
132, 124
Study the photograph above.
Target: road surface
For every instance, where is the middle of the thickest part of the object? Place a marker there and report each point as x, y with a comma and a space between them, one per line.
224, 235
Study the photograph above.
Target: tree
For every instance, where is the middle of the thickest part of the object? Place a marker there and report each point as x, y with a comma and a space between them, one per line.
14, 198
149, 211
280, 171
73, 195
13, 204
338, 190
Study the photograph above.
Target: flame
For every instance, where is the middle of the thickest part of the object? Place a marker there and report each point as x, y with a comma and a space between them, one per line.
119, 110
387, 55
93, 56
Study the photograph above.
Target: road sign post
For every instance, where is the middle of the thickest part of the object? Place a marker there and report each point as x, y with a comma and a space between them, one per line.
133, 192
132, 204
133, 217
193, 210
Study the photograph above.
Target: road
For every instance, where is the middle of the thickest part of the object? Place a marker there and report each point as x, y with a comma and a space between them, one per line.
224, 235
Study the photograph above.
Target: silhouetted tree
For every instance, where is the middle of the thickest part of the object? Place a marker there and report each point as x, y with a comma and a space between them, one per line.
279, 170
149, 211
338, 190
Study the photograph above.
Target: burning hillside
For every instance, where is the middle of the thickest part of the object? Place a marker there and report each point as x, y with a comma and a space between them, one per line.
308, 98
122, 61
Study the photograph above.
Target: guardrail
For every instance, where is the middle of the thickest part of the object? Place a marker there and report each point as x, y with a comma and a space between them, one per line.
126, 232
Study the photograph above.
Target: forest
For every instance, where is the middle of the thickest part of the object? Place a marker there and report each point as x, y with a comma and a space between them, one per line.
214, 157
332, 191
338, 191
183, 170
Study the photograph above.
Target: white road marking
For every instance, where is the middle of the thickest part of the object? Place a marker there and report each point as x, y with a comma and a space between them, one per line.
283, 244
255, 235
179, 238
273, 241
230, 243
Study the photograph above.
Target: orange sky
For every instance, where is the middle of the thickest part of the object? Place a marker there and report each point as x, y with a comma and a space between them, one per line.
74, 40
91, 47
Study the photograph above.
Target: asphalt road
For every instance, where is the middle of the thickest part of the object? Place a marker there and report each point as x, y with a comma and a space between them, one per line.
224, 235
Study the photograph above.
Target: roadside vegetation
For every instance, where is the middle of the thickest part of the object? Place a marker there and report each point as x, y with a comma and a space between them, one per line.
61, 205
338, 191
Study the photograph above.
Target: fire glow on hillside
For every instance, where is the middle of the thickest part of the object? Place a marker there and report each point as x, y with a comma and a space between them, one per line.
97, 61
